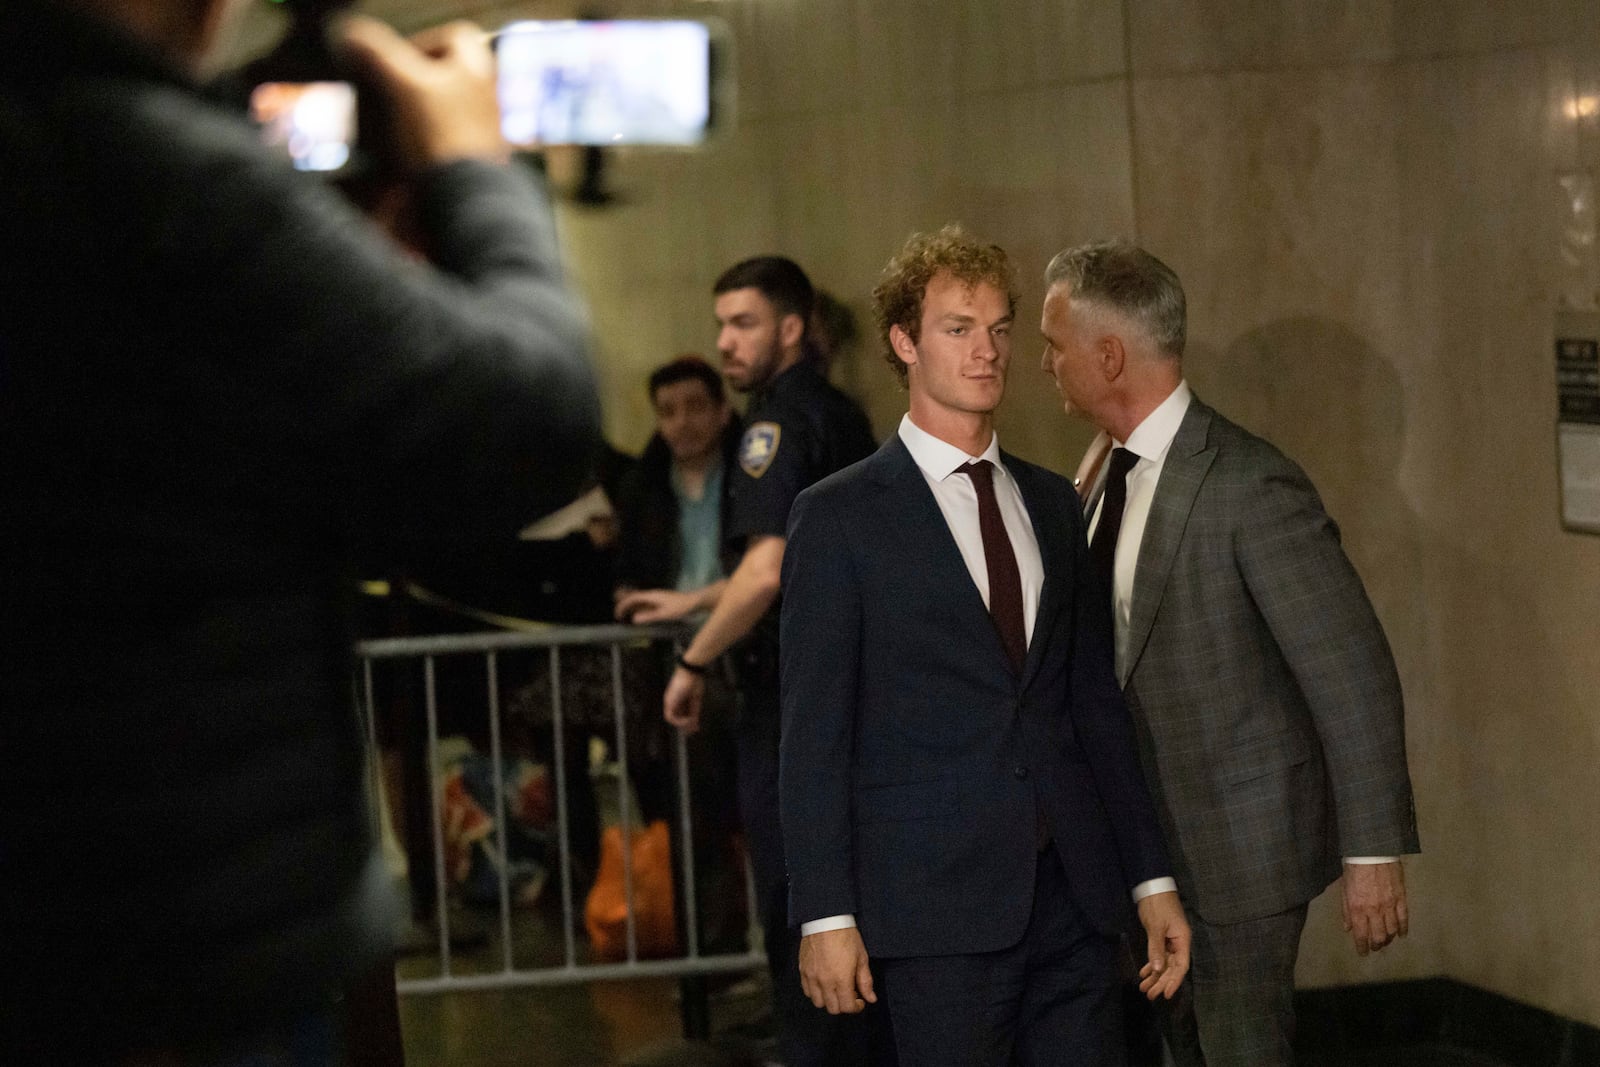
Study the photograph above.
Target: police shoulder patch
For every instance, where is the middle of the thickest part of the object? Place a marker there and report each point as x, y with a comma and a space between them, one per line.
758, 448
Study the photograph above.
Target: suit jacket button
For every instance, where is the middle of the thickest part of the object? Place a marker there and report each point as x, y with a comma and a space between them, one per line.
1020, 772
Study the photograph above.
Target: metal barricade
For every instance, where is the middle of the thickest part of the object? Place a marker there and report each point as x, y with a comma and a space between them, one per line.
574, 968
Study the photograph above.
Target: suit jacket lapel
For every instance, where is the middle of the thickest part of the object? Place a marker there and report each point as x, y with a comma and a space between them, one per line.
1049, 529
1182, 474
912, 504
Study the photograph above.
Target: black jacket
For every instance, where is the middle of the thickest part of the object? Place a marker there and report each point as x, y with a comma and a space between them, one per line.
217, 382
649, 549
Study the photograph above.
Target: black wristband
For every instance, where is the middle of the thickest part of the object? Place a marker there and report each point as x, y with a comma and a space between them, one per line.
693, 668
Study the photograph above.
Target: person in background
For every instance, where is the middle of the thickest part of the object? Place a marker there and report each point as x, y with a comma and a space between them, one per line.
832, 330
800, 429
672, 506
1266, 700
220, 386
672, 510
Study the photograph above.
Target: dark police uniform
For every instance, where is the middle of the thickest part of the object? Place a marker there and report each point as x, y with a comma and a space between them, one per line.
800, 429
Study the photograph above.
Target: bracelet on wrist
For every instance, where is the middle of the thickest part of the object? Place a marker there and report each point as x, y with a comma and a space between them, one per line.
693, 668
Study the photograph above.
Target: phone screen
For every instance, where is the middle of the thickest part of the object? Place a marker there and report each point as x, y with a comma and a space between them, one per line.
605, 83
313, 123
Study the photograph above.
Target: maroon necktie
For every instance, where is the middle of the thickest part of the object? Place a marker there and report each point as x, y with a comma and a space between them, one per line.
1005, 581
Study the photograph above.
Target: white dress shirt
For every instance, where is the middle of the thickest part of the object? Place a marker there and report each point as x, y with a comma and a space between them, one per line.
958, 500
957, 497
1151, 440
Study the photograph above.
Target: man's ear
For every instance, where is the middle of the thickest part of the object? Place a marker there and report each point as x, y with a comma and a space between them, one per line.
791, 328
1113, 356
903, 346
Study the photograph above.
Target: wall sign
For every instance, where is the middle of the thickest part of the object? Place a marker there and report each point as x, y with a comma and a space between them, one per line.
1578, 418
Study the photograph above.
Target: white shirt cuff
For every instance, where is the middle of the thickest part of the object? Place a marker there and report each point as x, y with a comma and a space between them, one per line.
1369, 860
1154, 886
832, 922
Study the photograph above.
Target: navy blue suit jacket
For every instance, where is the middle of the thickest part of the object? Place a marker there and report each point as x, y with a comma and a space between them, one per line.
914, 758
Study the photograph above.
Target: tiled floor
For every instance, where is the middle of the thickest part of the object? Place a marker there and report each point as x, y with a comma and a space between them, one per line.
595, 1024
605, 1023
554, 1027
613, 1023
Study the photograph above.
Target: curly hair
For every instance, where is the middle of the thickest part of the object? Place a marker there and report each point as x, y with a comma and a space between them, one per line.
897, 298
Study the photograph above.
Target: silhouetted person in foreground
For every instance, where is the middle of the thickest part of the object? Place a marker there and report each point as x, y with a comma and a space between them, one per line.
218, 383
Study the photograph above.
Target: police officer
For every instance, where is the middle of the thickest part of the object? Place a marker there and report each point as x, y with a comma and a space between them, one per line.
800, 429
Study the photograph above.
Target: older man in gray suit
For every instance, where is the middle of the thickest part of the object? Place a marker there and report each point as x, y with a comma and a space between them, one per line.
1262, 688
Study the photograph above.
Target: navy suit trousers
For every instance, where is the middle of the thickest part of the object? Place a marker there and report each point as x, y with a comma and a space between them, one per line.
1051, 1000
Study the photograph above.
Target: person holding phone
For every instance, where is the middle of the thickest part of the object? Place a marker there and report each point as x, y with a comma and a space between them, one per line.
219, 384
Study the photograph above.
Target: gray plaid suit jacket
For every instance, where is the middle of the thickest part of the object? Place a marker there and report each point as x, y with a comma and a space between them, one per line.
1263, 691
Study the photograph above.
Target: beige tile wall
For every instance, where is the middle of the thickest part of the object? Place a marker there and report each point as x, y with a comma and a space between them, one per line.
1359, 195
1364, 216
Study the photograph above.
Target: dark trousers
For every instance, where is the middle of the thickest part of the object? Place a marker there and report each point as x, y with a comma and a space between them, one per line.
1051, 999
1236, 1007
756, 747
807, 1035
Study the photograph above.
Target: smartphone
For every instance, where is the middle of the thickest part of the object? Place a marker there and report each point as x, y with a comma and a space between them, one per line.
313, 123
624, 82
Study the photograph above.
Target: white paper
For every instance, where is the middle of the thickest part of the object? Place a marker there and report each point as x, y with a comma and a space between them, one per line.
1579, 447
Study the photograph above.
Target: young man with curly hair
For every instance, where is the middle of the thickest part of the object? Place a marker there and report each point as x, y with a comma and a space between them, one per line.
962, 803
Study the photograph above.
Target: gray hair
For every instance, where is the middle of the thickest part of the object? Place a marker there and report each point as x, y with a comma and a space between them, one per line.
1125, 278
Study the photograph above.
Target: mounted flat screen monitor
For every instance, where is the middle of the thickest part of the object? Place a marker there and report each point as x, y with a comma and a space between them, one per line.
625, 82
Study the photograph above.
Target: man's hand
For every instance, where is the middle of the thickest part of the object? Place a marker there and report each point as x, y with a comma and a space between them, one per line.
656, 605
834, 971
1167, 938
680, 706
440, 87
1374, 901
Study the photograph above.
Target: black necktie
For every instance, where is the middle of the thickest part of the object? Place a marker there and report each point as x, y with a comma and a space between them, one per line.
1103, 546
1005, 581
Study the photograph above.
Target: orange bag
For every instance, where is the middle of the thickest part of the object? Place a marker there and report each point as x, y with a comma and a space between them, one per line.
605, 912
